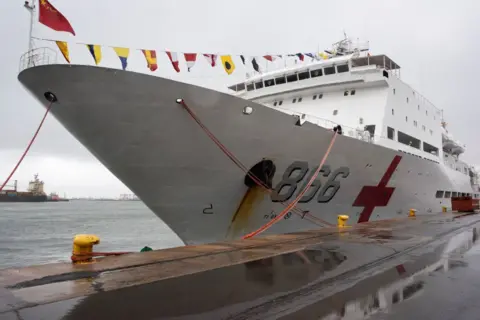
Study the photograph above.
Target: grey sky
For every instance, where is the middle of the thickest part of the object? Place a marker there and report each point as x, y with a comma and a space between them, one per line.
435, 43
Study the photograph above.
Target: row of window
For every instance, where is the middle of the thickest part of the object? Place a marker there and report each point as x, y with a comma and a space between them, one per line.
315, 96
296, 76
411, 141
415, 123
451, 194
418, 106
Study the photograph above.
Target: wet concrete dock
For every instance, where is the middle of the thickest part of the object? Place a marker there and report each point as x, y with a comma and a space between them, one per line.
349, 272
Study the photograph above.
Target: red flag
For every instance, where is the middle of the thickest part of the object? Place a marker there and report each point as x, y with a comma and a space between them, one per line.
52, 18
190, 58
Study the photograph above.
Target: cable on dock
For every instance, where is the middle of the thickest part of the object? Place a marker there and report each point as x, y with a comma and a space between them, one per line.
235, 160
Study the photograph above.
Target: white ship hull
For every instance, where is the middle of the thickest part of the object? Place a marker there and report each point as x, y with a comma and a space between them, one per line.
133, 125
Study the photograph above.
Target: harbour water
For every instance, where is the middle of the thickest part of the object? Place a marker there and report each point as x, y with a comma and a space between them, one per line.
38, 233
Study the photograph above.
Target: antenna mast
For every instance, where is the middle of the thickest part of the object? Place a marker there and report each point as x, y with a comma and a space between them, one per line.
30, 6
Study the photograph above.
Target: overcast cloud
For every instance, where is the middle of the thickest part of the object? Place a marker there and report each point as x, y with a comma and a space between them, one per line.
435, 43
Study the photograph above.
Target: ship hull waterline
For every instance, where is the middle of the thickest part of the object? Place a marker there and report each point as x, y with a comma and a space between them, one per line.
133, 125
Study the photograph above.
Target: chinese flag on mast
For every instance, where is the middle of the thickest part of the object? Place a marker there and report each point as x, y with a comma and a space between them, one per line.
52, 18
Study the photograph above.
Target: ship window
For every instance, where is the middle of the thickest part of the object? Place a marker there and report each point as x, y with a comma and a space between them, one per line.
335, 112
360, 120
430, 149
314, 97
414, 123
292, 77
280, 103
390, 133
431, 132
385, 73
300, 99
320, 96
439, 194
393, 90
241, 86
249, 86
316, 73
259, 85
345, 93
454, 194
269, 83
275, 104
408, 140
352, 92
393, 112
329, 70
406, 119
447, 194
294, 100
423, 127
418, 107
426, 112
304, 75
280, 80
407, 99
342, 68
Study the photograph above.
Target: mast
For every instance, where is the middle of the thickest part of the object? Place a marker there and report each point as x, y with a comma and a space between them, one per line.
30, 6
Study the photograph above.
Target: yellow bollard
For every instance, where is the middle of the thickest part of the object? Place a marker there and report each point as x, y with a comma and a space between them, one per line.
444, 209
83, 247
342, 220
412, 213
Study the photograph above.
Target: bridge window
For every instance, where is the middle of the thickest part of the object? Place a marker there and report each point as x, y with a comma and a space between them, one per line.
280, 103
345, 93
408, 140
447, 194
316, 73
259, 85
269, 83
275, 104
292, 77
320, 96
335, 112
294, 100
280, 80
329, 70
314, 97
342, 68
430, 149
439, 194
390, 133
454, 194
304, 75
250, 86
360, 120
241, 86
352, 92
300, 99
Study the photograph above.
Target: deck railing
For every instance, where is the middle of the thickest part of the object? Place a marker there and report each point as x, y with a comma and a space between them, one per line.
37, 57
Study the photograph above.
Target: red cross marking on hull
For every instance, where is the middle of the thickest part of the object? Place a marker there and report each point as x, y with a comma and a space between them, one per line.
376, 196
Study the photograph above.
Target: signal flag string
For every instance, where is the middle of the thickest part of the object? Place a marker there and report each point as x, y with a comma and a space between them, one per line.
247, 172
28, 147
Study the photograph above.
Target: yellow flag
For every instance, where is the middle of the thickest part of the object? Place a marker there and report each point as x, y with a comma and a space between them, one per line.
63, 46
228, 64
96, 52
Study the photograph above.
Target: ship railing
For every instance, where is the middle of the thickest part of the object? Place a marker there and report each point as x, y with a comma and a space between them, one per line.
37, 57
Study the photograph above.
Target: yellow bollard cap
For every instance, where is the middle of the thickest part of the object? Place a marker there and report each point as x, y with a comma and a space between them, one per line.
343, 217
86, 240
